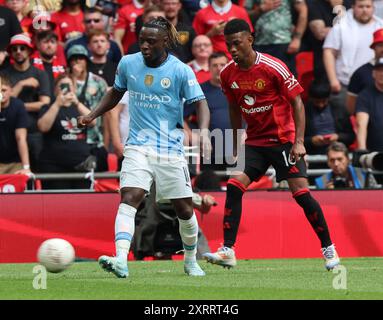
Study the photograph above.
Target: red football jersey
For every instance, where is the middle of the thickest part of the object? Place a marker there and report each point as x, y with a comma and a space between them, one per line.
69, 26
263, 95
206, 18
127, 16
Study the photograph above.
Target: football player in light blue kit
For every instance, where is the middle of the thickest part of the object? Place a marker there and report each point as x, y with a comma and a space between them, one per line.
158, 84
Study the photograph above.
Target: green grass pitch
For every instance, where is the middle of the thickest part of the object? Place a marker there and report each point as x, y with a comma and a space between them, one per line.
165, 280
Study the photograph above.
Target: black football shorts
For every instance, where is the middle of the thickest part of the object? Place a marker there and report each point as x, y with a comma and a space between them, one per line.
259, 159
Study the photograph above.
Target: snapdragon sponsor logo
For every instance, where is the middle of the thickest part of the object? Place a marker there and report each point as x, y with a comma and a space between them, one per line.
167, 142
257, 109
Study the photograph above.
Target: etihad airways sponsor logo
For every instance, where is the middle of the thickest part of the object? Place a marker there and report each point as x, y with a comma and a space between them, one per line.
149, 97
257, 109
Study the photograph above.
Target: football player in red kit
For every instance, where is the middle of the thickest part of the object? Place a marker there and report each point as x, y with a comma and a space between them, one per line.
264, 91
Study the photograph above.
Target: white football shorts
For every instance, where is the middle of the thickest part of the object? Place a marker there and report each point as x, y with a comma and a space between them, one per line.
141, 166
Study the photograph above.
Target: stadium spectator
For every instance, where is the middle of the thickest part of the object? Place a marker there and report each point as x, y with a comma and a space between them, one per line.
211, 20
150, 12
324, 123
14, 157
343, 174
45, 24
70, 19
147, 159
186, 33
20, 8
261, 89
362, 77
30, 85
100, 65
347, 47
202, 48
321, 17
125, 27
219, 113
9, 27
65, 148
45, 57
275, 32
369, 112
93, 21
90, 89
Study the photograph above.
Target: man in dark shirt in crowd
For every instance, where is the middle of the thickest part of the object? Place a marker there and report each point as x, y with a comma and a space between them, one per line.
362, 77
45, 58
99, 64
369, 112
9, 26
219, 111
325, 124
13, 132
93, 20
186, 33
30, 85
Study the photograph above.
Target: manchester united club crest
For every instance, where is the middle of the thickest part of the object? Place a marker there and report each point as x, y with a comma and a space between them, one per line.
260, 84
183, 37
148, 80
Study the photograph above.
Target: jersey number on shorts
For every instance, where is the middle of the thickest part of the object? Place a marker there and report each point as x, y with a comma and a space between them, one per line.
289, 161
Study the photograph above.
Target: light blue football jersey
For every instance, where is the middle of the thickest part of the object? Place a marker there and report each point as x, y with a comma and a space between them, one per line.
156, 97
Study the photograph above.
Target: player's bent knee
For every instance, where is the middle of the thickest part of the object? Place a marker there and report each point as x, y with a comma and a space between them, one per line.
132, 196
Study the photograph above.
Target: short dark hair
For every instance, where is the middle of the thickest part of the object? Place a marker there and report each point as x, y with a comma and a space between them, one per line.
5, 80
216, 55
89, 10
235, 26
46, 34
96, 32
338, 147
319, 90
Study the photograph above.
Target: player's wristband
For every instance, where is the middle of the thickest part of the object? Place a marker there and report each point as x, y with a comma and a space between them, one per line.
26, 166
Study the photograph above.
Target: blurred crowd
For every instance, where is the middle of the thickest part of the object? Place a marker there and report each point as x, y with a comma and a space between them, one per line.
58, 59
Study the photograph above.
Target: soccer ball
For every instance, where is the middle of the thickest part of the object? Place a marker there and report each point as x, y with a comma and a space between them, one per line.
56, 255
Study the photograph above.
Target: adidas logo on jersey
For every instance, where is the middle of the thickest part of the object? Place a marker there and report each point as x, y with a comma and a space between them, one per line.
234, 85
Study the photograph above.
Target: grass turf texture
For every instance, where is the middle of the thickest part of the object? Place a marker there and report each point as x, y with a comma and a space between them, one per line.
165, 280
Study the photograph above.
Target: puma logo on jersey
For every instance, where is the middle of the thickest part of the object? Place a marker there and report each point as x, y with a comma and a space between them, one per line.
234, 85
291, 82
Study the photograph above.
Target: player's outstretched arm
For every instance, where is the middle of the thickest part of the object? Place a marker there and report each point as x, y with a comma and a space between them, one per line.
236, 123
298, 150
108, 102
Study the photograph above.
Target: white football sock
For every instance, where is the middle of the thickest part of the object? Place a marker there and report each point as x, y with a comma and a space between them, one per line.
124, 229
189, 235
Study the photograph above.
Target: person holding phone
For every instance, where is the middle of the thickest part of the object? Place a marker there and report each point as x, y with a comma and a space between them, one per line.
64, 143
325, 123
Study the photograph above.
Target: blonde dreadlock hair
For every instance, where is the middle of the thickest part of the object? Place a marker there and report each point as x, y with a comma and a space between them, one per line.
165, 25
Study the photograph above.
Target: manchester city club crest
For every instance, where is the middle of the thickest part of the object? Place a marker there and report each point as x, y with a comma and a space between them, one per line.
148, 79
165, 83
